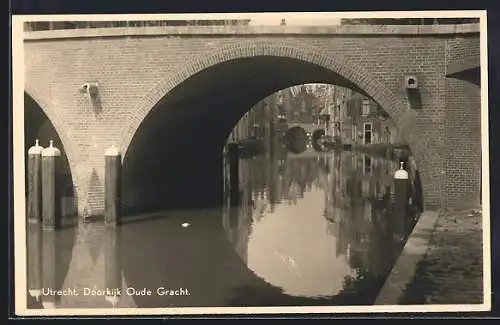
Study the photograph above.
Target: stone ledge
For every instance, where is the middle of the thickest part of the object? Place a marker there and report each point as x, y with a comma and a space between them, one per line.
349, 30
413, 252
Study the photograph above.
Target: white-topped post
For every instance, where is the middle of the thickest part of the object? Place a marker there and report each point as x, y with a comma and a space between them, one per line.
401, 196
112, 186
51, 191
34, 208
112, 266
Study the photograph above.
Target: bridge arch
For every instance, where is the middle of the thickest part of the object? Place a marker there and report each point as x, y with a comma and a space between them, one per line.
322, 67
42, 123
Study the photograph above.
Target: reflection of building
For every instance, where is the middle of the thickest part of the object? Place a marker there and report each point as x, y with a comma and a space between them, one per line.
354, 183
357, 191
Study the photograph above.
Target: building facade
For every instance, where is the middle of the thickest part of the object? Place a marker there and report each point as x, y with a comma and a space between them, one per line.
352, 118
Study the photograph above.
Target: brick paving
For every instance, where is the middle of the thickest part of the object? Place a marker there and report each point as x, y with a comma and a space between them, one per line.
451, 271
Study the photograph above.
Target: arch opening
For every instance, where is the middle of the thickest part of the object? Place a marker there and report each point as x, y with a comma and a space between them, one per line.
174, 159
38, 126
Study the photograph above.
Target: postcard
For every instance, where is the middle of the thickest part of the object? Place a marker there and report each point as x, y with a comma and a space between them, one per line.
251, 163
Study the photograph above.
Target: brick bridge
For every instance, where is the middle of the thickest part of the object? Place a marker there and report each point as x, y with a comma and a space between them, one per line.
169, 96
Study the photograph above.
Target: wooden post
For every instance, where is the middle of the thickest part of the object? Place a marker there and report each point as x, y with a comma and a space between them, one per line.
112, 187
401, 194
51, 191
34, 212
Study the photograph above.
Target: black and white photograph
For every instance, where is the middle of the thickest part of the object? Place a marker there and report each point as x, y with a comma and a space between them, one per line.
247, 163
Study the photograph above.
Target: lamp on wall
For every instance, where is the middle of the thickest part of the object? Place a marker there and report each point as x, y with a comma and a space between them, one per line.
413, 92
411, 82
91, 90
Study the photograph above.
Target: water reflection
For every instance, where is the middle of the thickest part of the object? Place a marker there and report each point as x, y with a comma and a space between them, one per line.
310, 229
75, 268
319, 224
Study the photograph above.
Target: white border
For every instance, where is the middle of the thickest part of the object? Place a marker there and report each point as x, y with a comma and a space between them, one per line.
19, 187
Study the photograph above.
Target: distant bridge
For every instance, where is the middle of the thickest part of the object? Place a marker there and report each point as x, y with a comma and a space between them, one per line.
308, 127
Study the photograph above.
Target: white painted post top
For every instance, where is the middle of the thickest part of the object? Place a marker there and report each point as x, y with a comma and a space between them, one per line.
36, 149
401, 173
51, 151
112, 151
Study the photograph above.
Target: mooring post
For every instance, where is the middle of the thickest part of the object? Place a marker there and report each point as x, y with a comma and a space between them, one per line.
112, 187
112, 266
34, 212
234, 173
34, 263
51, 191
401, 194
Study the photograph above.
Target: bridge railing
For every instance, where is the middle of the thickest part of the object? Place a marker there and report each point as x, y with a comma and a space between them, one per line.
65, 25
59, 25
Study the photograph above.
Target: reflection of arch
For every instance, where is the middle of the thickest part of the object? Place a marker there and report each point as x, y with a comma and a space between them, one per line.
39, 118
203, 261
352, 75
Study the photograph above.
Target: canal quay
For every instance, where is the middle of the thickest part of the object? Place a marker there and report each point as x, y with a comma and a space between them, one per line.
176, 176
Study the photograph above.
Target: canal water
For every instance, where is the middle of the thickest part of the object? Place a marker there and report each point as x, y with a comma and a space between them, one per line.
309, 228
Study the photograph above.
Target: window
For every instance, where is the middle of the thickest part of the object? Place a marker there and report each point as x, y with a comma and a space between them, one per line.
366, 107
354, 133
367, 132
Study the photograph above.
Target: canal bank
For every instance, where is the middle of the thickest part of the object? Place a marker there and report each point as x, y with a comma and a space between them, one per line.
441, 263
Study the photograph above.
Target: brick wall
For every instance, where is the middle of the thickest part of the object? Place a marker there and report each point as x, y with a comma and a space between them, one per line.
463, 128
134, 73
463, 143
461, 48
